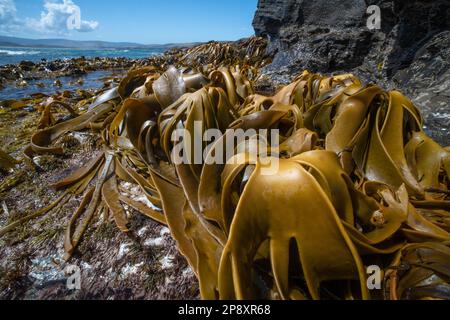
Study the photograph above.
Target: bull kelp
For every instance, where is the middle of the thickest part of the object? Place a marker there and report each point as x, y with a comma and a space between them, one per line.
358, 184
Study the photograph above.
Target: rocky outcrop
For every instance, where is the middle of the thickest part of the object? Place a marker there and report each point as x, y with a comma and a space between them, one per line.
409, 52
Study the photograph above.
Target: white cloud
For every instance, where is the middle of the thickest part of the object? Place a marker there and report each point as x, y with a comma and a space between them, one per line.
8, 16
55, 16
7, 10
58, 17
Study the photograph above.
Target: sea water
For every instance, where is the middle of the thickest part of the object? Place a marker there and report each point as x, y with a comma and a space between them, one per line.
10, 55
92, 80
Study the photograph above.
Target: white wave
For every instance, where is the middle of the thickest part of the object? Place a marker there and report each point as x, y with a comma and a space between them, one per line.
115, 51
18, 53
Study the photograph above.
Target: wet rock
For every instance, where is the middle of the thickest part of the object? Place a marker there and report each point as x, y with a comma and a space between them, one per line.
54, 66
427, 81
327, 37
22, 84
26, 65
410, 52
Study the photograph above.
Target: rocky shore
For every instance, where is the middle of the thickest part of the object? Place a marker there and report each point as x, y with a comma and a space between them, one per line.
143, 264
411, 52
19, 74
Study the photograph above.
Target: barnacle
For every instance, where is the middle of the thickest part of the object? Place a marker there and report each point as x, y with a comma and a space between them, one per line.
358, 180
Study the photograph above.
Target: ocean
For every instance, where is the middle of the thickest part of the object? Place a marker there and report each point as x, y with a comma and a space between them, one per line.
92, 80
9, 55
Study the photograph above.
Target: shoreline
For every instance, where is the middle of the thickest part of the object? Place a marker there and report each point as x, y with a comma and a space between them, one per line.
28, 70
17, 75
143, 264
269, 80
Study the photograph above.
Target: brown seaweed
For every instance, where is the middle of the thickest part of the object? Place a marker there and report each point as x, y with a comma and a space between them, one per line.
358, 180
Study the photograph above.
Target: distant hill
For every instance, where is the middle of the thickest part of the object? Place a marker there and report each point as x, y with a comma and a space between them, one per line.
64, 43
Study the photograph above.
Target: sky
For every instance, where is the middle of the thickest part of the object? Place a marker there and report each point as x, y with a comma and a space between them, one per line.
141, 21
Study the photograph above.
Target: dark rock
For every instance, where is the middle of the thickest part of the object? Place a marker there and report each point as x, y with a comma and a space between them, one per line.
26, 65
410, 52
54, 66
328, 36
427, 81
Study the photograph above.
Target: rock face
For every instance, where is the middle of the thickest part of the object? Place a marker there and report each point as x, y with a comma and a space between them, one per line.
409, 52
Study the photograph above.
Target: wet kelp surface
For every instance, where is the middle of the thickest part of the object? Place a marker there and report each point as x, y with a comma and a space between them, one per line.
142, 264
359, 184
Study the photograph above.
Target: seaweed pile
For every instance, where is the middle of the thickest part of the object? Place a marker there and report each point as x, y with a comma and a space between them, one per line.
212, 55
359, 183
27, 70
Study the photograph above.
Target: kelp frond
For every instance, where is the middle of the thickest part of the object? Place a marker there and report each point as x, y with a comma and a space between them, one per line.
358, 180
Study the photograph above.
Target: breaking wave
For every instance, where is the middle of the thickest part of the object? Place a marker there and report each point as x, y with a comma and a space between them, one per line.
17, 53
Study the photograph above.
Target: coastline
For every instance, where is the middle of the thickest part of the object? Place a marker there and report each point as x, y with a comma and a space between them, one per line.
33, 268
309, 161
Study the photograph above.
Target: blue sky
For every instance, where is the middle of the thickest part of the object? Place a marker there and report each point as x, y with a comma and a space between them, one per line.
143, 21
